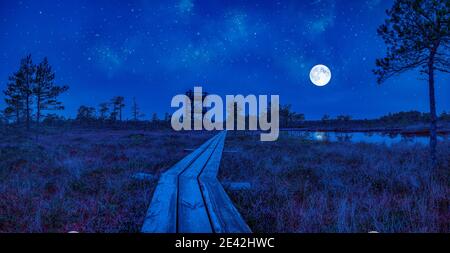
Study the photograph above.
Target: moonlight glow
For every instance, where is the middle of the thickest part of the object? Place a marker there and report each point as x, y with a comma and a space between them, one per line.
320, 75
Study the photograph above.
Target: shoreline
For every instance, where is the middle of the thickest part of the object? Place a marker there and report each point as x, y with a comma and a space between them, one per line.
402, 131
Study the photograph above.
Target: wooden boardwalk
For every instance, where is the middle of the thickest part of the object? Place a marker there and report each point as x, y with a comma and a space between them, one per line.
190, 199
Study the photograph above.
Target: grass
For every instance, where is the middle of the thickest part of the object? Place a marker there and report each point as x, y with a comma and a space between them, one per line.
306, 186
82, 179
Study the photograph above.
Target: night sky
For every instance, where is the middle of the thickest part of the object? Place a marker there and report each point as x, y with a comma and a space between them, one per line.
154, 50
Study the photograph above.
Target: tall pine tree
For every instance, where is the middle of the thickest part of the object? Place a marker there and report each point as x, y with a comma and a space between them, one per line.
45, 90
118, 105
14, 98
25, 81
136, 110
103, 110
417, 35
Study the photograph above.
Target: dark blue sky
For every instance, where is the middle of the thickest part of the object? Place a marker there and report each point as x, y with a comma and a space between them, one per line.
154, 50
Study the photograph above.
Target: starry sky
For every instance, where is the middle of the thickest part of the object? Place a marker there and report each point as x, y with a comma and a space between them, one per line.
153, 50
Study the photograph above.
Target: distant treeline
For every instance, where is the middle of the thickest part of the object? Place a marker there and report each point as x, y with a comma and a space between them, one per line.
31, 91
399, 119
290, 119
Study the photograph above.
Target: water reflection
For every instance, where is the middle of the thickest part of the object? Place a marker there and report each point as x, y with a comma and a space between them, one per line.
369, 137
320, 136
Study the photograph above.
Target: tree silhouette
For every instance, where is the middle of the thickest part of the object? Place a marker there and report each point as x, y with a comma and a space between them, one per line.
194, 107
405, 117
14, 98
113, 115
29, 84
25, 80
287, 116
85, 113
136, 110
45, 91
103, 110
417, 35
298, 117
118, 105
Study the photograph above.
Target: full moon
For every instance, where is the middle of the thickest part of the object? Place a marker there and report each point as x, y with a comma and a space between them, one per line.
320, 75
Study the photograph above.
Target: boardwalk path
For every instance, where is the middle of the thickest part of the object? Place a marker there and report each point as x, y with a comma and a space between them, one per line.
190, 199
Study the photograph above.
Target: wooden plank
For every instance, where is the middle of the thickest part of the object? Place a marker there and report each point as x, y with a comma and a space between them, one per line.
224, 216
192, 214
162, 213
190, 199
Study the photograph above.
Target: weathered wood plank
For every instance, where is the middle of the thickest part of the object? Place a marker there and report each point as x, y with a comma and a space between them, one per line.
162, 213
190, 199
192, 214
224, 217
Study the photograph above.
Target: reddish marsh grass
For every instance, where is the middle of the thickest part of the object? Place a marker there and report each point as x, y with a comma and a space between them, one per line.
307, 186
82, 179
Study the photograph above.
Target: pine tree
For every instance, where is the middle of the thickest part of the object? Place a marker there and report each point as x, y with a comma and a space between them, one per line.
286, 115
25, 79
118, 105
103, 110
113, 115
136, 110
14, 98
45, 91
417, 35
86, 113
